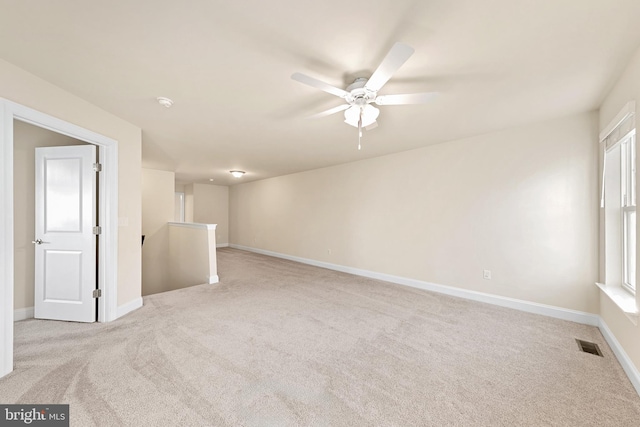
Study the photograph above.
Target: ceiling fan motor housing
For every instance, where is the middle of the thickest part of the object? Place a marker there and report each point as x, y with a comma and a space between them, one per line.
358, 94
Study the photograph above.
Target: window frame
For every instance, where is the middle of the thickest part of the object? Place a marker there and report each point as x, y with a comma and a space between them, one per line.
628, 208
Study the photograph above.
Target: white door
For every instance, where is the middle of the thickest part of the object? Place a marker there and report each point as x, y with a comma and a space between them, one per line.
65, 244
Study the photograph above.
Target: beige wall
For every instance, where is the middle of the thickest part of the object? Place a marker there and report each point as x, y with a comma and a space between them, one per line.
19, 86
26, 138
521, 203
193, 255
626, 89
211, 206
157, 210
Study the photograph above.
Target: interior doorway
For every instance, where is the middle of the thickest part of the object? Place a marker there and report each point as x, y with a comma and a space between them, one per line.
108, 212
27, 138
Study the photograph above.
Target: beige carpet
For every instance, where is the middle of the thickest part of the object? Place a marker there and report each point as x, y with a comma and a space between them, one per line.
278, 343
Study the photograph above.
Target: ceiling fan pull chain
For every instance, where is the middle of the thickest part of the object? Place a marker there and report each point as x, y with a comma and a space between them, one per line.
360, 130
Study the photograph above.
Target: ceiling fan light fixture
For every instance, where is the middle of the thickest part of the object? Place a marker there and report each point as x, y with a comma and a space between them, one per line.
237, 174
369, 115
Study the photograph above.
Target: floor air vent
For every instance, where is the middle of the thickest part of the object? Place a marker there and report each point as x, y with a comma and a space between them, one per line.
589, 347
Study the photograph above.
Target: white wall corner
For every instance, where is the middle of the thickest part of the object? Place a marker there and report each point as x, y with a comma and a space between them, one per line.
22, 314
629, 368
128, 307
213, 279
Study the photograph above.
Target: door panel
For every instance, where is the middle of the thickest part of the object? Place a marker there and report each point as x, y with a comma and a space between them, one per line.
65, 245
62, 276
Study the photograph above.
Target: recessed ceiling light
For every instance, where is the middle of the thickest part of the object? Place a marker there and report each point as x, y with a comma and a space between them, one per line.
165, 102
237, 174
211, 179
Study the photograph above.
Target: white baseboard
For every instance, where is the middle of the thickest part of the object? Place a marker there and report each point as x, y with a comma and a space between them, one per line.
22, 314
128, 307
621, 355
222, 245
213, 279
529, 307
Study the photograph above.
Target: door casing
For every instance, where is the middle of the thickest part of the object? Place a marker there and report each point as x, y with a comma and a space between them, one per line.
108, 214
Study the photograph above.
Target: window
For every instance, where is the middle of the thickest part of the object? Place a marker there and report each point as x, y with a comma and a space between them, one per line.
628, 204
619, 201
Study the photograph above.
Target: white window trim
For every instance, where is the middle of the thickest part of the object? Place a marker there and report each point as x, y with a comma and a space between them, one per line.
622, 297
627, 203
625, 279
628, 110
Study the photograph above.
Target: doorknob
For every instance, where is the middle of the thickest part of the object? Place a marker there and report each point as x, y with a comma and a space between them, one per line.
38, 241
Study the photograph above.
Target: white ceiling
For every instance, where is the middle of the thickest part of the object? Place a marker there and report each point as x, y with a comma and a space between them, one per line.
227, 66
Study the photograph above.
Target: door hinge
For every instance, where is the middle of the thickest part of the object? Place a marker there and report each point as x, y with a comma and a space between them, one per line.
97, 293
97, 167
97, 230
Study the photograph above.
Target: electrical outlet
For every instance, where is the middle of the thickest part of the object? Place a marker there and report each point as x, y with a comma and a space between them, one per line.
486, 274
329, 251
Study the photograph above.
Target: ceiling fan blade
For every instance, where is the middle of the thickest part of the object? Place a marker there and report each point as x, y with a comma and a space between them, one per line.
397, 56
330, 111
406, 99
302, 78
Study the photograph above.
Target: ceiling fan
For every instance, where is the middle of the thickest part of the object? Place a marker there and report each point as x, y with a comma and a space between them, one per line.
363, 92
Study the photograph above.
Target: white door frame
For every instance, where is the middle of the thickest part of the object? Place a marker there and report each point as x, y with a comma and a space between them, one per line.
107, 211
